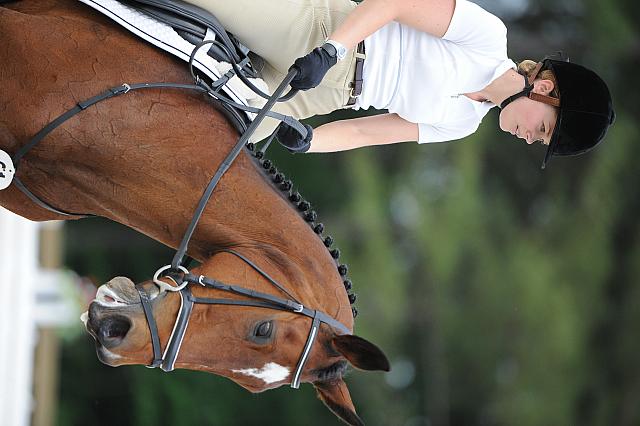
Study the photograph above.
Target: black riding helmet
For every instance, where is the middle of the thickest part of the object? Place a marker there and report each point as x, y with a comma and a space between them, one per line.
585, 111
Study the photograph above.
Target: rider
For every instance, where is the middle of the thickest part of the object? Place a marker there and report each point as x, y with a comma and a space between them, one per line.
437, 66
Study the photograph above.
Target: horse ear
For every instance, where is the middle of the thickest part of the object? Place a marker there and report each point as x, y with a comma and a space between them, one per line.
361, 353
335, 396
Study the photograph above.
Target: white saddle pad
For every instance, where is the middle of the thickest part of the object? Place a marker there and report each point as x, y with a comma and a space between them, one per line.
166, 38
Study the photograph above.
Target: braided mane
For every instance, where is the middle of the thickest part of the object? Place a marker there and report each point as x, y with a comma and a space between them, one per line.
304, 208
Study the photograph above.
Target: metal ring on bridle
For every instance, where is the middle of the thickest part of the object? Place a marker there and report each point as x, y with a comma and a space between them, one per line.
165, 286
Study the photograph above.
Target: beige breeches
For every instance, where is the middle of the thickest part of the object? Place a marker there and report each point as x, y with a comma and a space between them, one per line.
282, 31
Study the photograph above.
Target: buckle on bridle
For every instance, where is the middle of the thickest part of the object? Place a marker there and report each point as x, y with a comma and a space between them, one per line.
165, 286
299, 308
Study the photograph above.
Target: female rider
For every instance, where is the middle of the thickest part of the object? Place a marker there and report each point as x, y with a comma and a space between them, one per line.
437, 66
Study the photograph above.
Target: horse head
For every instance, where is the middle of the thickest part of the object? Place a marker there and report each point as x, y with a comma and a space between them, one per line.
256, 347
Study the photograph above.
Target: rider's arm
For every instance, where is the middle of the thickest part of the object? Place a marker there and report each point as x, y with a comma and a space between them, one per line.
358, 132
429, 16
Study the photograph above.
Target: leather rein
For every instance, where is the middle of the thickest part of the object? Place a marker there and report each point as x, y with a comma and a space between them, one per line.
176, 271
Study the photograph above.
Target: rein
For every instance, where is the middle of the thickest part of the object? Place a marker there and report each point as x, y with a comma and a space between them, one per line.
176, 271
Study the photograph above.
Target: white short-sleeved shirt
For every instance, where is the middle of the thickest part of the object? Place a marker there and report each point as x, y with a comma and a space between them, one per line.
422, 77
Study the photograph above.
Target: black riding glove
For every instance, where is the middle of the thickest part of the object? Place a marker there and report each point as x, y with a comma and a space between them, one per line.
292, 140
312, 68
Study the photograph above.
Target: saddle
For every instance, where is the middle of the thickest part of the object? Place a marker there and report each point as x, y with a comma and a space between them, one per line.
194, 24
178, 27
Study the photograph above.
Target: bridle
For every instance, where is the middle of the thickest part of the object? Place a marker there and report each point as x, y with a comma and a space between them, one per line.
176, 271
166, 360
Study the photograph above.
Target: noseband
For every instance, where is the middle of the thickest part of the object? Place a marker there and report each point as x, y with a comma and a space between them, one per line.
176, 271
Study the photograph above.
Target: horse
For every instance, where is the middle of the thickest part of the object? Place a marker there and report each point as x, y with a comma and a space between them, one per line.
143, 159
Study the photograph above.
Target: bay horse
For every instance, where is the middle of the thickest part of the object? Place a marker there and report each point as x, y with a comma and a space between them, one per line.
143, 160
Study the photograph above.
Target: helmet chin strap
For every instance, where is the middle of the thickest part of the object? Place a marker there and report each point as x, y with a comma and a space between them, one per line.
528, 90
528, 87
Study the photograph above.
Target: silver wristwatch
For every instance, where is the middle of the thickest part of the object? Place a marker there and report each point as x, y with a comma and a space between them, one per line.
340, 50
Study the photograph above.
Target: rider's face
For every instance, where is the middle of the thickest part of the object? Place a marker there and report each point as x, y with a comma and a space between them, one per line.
528, 119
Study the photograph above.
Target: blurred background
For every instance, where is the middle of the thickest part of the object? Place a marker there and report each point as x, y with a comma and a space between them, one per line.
503, 295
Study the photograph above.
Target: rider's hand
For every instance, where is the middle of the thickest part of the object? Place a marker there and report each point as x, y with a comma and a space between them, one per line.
312, 68
292, 140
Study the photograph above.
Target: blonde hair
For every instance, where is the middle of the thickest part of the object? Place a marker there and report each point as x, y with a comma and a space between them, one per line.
527, 66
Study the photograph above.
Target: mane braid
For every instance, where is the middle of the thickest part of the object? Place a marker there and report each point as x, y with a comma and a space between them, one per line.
310, 216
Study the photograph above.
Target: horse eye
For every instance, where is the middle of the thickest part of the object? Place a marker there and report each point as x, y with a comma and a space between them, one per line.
263, 329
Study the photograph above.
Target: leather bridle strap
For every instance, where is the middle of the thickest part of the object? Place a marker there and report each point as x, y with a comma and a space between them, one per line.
153, 328
201, 86
166, 361
179, 329
315, 324
80, 106
263, 300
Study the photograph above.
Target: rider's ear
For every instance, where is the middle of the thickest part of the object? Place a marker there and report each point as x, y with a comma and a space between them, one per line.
335, 396
361, 353
543, 87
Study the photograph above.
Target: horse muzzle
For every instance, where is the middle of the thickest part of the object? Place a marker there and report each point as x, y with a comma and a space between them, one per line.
109, 318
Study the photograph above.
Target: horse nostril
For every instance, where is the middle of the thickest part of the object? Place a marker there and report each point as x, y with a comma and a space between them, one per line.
113, 330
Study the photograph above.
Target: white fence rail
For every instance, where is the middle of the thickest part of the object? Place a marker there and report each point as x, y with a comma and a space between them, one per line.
30, 297
18, 275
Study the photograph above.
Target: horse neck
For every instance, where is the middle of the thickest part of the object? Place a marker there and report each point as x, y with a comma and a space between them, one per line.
155, 185
161, 187
248, 215
144, 158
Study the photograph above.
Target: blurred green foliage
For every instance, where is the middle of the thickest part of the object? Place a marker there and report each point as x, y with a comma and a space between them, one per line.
503, 295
